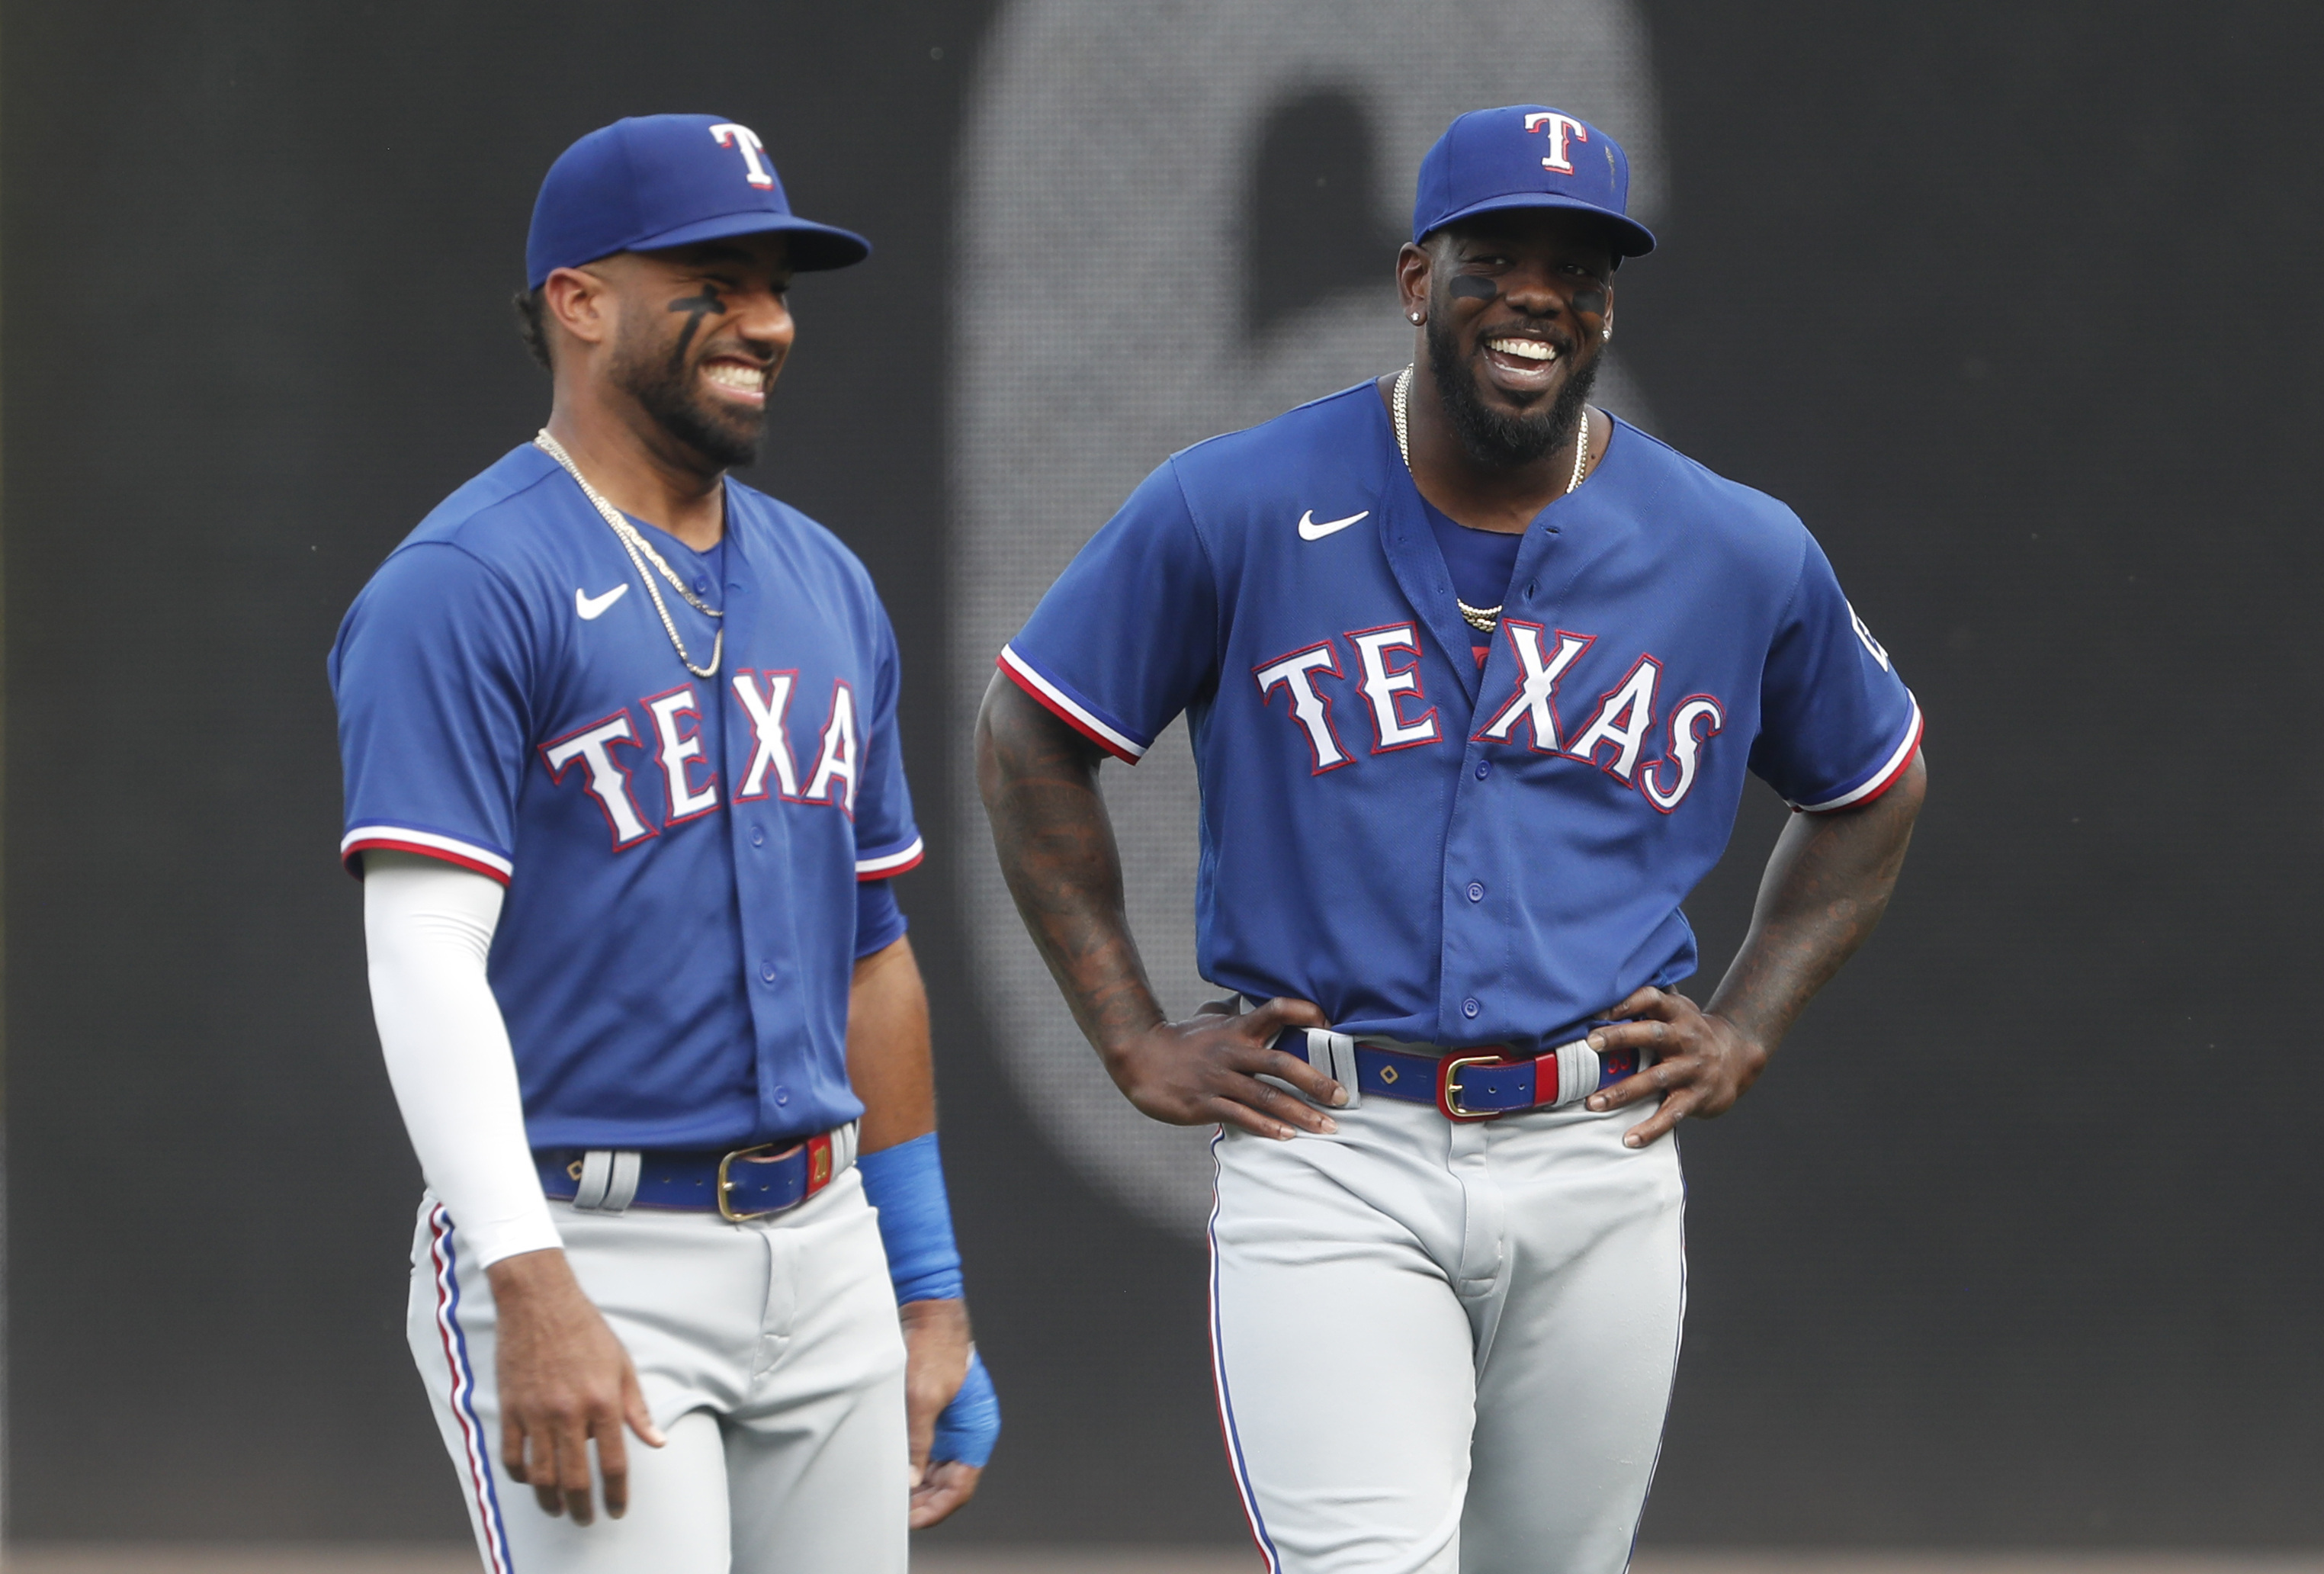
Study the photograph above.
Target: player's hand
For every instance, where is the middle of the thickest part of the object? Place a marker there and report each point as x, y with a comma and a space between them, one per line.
564, 1380
936, 1344
1207, 1068
1704, 1062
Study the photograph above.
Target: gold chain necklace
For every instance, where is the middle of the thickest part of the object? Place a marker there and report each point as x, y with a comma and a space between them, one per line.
1483, 619
642, 551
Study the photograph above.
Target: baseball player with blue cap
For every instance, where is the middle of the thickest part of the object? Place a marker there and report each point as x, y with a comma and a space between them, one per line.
1474, 673
625, 789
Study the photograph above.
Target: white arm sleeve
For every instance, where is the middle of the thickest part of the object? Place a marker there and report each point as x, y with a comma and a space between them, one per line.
428, 928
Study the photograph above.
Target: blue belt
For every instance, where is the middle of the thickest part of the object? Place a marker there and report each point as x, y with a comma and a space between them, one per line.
1480, 1083
740, 1184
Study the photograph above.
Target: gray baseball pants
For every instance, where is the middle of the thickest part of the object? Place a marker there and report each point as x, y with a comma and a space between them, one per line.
768, 1352
1446, 1348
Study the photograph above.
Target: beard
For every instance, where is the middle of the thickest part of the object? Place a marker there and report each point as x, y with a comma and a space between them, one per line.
668, 388
1496, 436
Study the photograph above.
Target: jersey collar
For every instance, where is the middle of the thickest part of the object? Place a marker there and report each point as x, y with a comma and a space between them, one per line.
1564, 538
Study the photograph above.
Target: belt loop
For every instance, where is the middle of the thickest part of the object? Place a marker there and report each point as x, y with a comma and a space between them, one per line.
1579, 1072
624, 1189
596, 1174
1338, 1062
608, 1182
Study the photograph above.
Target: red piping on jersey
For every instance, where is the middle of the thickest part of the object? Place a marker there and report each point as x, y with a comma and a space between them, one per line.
919, 854
1067, 717
1896, 772
355, 864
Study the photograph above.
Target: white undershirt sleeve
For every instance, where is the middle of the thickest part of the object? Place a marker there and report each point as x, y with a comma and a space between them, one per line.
428, 927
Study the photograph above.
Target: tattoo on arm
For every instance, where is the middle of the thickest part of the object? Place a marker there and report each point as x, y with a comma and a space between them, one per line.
710, 304
1056, 843
1825, 890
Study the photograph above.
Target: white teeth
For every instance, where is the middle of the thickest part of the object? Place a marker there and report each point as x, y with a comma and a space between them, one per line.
1526, 349
729, 375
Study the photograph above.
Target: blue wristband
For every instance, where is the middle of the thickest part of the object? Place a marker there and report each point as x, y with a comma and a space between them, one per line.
970, 1424
906, 1183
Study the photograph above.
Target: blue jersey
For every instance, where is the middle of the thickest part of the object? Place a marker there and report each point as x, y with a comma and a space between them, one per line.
1432, 835
682, 854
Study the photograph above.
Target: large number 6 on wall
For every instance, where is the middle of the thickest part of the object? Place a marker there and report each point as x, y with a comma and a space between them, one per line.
1176, 220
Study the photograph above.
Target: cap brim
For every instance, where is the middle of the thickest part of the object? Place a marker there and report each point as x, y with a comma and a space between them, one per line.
813, 247
1631, 238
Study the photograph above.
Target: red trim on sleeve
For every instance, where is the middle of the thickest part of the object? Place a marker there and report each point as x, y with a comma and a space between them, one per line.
919, 856
1067, 717
354, 864
1891, 772
1894, 775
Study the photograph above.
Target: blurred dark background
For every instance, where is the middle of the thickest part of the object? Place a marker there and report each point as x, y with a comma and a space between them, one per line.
2014, 303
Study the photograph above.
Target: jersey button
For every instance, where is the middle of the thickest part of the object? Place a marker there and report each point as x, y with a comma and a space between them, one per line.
1470, 1007
758, 836
782, 1093
767, 971
1484, 769
1475, 892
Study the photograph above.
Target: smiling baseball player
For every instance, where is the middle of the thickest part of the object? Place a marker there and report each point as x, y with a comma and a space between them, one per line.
1474, 673
624, 784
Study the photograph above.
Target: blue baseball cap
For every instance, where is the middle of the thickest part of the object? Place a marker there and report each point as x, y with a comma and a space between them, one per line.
665, 180
1525, 155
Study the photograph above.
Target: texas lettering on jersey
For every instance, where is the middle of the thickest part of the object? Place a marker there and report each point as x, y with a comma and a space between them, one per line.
671, 739
1430, 837
511, 702
1383, 666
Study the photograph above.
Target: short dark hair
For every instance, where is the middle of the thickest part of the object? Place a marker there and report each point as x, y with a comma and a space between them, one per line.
531, 325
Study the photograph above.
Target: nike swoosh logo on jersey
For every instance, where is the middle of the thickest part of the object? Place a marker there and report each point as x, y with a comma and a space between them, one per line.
592, 606
1311, 530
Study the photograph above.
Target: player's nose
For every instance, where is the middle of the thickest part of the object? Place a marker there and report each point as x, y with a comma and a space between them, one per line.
1532, 292
765, 317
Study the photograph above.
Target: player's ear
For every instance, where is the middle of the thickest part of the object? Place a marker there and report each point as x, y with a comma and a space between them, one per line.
1412, 271
578, 302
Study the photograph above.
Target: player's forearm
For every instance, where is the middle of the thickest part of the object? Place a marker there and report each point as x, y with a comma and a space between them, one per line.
1056, 844
1826, 887
890, 1067
428, 930
889, 1064
888, 1060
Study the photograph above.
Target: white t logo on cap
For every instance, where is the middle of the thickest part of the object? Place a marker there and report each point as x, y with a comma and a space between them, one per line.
742, 136
1561, 126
